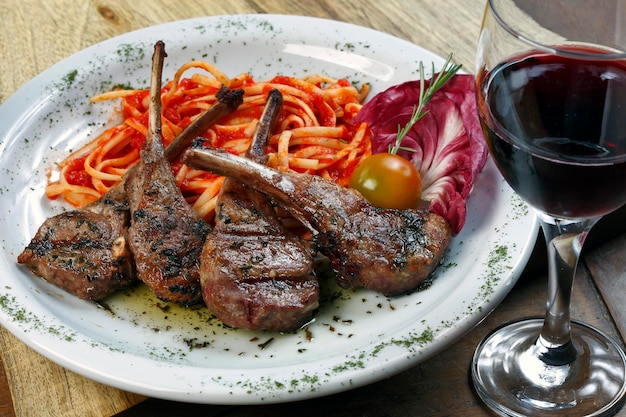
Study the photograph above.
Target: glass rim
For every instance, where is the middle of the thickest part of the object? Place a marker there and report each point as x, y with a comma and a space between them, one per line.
555, 50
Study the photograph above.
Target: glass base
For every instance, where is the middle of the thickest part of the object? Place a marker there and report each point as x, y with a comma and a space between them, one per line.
511, 379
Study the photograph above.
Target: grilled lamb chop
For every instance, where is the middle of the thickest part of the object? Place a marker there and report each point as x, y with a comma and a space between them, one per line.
85, 251
165, 235
386, 250
255, 274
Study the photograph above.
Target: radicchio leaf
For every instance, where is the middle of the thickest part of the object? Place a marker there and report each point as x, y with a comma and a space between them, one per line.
448, 140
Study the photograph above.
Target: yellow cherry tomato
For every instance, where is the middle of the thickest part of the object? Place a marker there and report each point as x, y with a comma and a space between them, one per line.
388, 181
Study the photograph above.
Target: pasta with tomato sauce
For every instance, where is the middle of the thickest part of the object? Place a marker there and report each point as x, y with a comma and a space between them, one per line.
314, 133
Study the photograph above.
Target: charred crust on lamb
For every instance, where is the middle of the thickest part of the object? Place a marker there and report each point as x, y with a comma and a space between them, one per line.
85, 252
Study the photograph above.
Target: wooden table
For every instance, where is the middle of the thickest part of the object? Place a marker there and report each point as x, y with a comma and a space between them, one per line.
37, 34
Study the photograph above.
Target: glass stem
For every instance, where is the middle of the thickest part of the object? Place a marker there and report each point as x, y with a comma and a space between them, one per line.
564, 241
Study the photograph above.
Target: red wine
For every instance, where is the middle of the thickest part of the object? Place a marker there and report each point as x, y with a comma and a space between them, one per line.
556, 128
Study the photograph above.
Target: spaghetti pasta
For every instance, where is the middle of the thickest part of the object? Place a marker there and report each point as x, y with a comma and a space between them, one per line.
314, 133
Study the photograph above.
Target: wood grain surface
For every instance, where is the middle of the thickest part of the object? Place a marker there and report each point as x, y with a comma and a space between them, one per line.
37, 34
609, 269
34, 35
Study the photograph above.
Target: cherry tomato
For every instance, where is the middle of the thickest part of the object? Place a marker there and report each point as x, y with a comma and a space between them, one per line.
388, 181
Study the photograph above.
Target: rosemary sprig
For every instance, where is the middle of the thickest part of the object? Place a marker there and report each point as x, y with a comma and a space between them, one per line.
447, 72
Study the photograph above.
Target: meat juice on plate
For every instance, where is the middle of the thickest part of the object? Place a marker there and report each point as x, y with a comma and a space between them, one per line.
556, 128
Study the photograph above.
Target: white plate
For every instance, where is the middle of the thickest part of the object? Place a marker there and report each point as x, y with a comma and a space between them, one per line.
181, 354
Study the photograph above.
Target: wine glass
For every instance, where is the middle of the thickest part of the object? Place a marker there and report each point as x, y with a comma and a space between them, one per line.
551, 94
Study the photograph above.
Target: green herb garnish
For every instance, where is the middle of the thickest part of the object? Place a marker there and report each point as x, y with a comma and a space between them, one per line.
448, 71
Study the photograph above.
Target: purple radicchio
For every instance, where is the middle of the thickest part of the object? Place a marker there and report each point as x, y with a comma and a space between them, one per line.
449, 145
